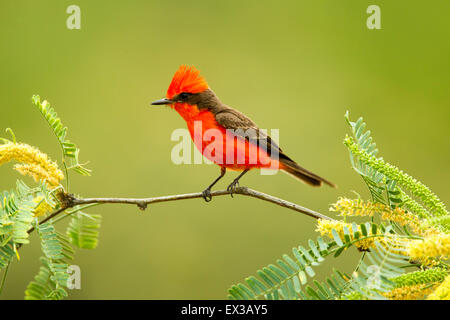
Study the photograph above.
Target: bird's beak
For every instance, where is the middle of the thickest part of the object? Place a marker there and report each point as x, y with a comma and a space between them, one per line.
162, 101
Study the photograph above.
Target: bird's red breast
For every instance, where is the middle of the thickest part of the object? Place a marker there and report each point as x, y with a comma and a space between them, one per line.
231, 151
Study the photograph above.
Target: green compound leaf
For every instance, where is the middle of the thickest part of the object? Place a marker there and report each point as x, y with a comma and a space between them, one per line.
83, 230
69, 149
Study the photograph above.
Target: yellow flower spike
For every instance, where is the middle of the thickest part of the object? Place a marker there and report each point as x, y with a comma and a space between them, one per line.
414, 292
348, 207
42, 207
442, 292
38, 173
435, 246
325, 227
34, 162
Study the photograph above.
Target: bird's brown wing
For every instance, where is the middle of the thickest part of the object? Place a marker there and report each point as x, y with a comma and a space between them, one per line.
232, 119
244, 127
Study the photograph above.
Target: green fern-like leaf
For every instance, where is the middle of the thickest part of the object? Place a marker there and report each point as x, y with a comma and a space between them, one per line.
56, 125
51, 281
53, 249
413, 206
333, 288
428, 276
22, 222
16, 217
385, 180
69, 149
287, 279
382, 264
282, 280
442, 223
44, 286
83, 230
393, 173
66, 245
7, 254
371, 177
51, 245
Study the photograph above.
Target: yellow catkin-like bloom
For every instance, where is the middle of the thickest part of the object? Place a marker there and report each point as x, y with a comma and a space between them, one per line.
357, 207
325, 227
349, 207
35, 163
435, 246
37, 172
42, 207
415, 292
442, 292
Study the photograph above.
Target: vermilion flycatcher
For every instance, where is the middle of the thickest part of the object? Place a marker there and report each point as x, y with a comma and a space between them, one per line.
243, 146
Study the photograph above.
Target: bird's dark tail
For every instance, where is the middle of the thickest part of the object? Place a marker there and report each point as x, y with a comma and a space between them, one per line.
292, 168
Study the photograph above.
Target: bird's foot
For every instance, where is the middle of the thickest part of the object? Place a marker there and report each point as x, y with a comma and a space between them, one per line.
206, 194
232, 187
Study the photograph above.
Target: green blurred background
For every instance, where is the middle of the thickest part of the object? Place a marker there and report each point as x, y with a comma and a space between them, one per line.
293, 65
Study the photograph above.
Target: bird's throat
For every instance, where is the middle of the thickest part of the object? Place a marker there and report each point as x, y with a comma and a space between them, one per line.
187, 111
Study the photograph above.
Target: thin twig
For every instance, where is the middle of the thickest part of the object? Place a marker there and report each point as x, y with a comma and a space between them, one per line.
69, 201
143, 202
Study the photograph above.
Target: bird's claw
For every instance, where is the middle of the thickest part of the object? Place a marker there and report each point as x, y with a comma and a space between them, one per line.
232, 187
207, 195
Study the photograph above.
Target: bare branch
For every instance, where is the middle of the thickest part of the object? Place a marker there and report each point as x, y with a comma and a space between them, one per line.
143, 202
69, 201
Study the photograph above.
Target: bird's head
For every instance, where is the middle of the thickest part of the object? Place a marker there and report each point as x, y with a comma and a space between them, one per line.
186, 88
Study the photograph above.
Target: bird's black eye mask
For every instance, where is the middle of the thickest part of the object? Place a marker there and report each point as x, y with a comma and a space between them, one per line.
184, 96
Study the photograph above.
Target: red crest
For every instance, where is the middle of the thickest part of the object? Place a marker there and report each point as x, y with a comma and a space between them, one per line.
186, 79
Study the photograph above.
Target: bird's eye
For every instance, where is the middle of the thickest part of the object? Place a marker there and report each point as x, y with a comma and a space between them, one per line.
184, 95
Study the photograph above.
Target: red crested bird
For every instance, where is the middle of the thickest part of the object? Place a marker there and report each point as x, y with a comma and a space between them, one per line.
239, 144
